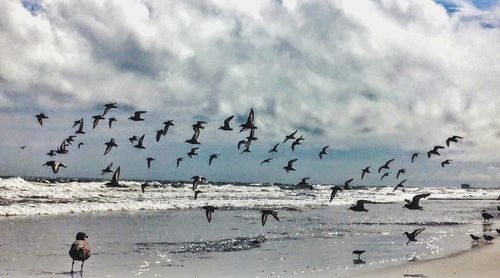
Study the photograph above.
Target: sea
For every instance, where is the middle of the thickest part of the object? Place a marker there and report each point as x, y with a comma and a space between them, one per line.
164, 232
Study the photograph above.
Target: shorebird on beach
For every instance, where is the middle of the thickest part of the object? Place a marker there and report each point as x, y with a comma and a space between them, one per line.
412, 236
358, 252
414, 203
40, 117
80, 250
265, 213
475, 239
488, 238
208, 212
226, 123
54, 164
486, 216
334, 189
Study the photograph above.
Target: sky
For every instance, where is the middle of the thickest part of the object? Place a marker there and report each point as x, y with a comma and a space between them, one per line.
374, 80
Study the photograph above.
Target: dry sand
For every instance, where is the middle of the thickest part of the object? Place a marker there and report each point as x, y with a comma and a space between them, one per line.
482, 261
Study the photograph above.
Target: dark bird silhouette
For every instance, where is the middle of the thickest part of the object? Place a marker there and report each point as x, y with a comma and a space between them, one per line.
267, 160
246, 149
110, 145
290, 136
78, 122
265, 213
109, 106
55, 165
80, 250
386, 165
251, 137
140, 143
289, 166
51, 153
399, 185
159, 134
434, 151
453, 139
197, 180
115, 180
334, 189
400, 171
194, 139
40, 117
365, 171
346, 183
137, 116
143, 187
192, 152
498, 231
414, 203
198, 125
80, 129
385, 175
358, 252
110, 121
80, 145
323, 152
62, 148
208, 212
475, 239
486, 216
149, 160
226, 123
296, 142
412, 236
133, 139
179, 160
212, 157
304, 183
447, 161
360, 205
274, 149
196, 192
107, 169
249, 124
241, 142
488, 238
70, 139
23, 147
167, 125
415, 155
96, 118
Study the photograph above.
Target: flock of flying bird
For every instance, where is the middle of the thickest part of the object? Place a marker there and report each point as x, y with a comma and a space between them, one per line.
79, 248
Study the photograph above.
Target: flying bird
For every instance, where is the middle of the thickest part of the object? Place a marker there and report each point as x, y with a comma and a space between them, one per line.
107, 169
415, 155
453, 139
265, 213
251, 137
196, 192
159, 134
179, 160
51, 153
365, 171
274, 149
70, 139
414, 203
334, 189
143, 187
226, 123
80, 145
133, 139
197, 180
23, 147
80, 250
434, 151
208, 212
386, 165
78, 122
115, 180
304, 182
447, 161
166, 126
137, 116
323, 152
110, 145
289, 166
198, 125
241, 142
249, 124
149, 160
346, 183
55, 165
399, 185
40, 117
62, 148
109, 106
212, 157
296, 142
400, 171
385, 175
267, 160
140, 143
194, 139
360, 205
192, 152
111, 120
412, 236
290, 136
96, 118
80, 129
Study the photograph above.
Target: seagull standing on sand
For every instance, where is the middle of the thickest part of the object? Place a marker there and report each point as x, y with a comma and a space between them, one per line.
80, 250
475, 239
412, 236
267, 212
488, 238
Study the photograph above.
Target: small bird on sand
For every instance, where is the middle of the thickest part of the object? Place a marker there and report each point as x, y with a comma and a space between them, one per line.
109, 106
40, 117
208, 212
412, 236
488, 238
346, 184
226, 123
323, 152
365, 171
358, 252
360, 205
55, 165
334, 189
475, 239
414, 203
197, 180
289, 166
415, 155
267, 160
453, 139
137, 116
265, 213
486, 216
80, 250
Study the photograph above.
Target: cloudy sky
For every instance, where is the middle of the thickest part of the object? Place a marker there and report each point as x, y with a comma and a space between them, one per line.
373, 79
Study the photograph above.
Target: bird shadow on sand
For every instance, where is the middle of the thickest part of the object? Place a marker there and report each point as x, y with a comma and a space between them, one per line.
415, 275
356, 261
74, 274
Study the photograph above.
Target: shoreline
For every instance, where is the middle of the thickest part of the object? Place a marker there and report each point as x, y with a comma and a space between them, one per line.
481, 260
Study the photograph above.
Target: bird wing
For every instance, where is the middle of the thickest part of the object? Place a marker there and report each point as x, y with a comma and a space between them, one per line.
417, 198
141, 139
347, 182
417, 231
226, 121
291, 162
263, 218
275, 215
